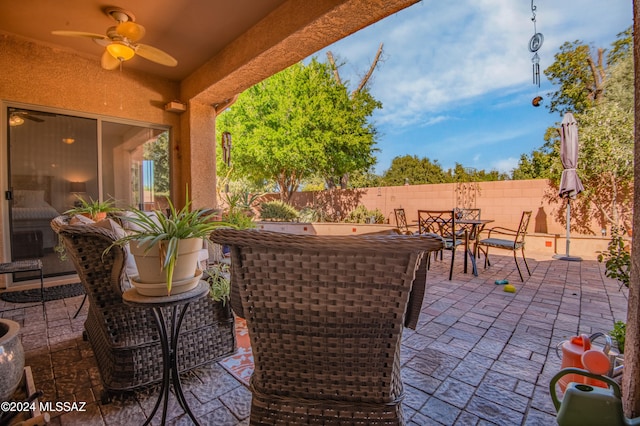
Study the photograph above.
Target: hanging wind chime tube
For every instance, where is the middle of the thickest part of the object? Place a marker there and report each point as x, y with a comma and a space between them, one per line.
534, 45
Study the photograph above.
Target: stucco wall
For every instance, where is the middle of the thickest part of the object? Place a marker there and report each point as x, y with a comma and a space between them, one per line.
38, 75
502, 201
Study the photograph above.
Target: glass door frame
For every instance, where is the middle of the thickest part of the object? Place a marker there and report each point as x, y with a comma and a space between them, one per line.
5, 244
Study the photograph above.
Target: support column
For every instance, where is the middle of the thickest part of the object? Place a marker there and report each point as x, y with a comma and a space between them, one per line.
196, 156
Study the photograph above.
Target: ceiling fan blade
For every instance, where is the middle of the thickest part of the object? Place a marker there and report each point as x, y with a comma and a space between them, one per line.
32, 118
155, 55
80, 34
27, 116
108, 62
130, 30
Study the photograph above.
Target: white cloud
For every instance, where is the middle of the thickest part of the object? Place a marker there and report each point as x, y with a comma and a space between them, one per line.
505, 165
440, 54
456, 79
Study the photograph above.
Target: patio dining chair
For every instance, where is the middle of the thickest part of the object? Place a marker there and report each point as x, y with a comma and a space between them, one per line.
401, 221
506, 239
442, 224
465, 214
325, 317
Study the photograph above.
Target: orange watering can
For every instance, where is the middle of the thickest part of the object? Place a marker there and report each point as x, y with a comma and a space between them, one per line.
572, 352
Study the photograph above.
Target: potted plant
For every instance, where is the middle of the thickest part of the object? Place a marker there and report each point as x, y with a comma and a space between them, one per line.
219, 284
95, 210
165, 248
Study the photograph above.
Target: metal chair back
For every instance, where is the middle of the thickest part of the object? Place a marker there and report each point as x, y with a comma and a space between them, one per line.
401, 219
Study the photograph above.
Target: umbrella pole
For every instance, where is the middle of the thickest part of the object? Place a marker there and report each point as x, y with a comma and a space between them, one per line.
566, 256
568, 239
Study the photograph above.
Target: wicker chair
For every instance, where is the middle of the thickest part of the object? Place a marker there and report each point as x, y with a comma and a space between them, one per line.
325, 316
125, 339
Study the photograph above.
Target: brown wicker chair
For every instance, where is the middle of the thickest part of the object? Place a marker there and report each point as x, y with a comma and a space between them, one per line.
325, 316
125, 339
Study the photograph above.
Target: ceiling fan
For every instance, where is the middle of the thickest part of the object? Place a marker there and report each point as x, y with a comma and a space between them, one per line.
121, 41
17, 116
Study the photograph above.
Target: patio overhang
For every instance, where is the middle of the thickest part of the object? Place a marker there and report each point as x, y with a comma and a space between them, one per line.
222, 49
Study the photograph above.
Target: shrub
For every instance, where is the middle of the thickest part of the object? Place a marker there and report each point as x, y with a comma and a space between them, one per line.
278, 211
310, 214
617, 259
361, 215
618, 333
239, 219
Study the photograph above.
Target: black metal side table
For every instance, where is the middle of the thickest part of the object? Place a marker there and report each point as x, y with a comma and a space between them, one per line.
179, 304
26, 265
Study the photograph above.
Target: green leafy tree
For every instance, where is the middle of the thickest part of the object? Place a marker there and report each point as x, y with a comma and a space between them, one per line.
158, 152
605, 163
580, 78
467, 174
542, 163
364, 179
581, 73
299, 124
413, 170
600, 94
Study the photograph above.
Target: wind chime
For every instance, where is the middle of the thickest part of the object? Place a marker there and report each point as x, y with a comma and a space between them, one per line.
535, 43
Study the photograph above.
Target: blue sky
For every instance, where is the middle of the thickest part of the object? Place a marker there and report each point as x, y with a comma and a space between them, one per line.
456, 80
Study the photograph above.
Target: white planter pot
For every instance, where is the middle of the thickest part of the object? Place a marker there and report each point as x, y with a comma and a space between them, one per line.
149, 263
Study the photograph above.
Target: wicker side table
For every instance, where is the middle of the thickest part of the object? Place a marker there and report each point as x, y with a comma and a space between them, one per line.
26, 265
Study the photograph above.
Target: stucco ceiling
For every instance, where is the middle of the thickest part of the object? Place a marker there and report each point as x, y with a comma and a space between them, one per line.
192, 31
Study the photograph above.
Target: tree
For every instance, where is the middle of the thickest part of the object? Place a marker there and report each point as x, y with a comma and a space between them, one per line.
544, 162
158, 152
580, 76
605, 164
410, 169
468, 174
298, 124
631, 372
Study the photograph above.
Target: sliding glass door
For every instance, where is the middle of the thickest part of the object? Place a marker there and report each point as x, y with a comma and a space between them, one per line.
55, 158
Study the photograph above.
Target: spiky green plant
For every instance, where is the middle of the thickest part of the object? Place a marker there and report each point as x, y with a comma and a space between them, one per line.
92, 207
167, 231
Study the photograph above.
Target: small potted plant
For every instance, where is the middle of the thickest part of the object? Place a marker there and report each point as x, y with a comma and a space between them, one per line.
95, 210
165, 248
219, 284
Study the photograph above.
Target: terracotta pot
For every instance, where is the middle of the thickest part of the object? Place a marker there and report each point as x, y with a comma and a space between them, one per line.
11, 358
96, 217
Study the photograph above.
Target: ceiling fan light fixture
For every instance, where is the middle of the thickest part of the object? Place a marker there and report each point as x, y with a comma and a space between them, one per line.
120, 51
130, 30
15, 120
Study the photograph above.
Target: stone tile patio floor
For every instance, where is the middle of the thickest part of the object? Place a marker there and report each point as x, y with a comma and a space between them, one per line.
479, 356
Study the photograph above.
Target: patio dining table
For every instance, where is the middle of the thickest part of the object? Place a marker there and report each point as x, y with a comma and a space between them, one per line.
472, 227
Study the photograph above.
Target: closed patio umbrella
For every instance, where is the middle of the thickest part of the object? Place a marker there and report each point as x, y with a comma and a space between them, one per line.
570, 184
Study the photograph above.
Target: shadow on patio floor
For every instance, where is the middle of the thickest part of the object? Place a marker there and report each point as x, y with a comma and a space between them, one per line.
478, 356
